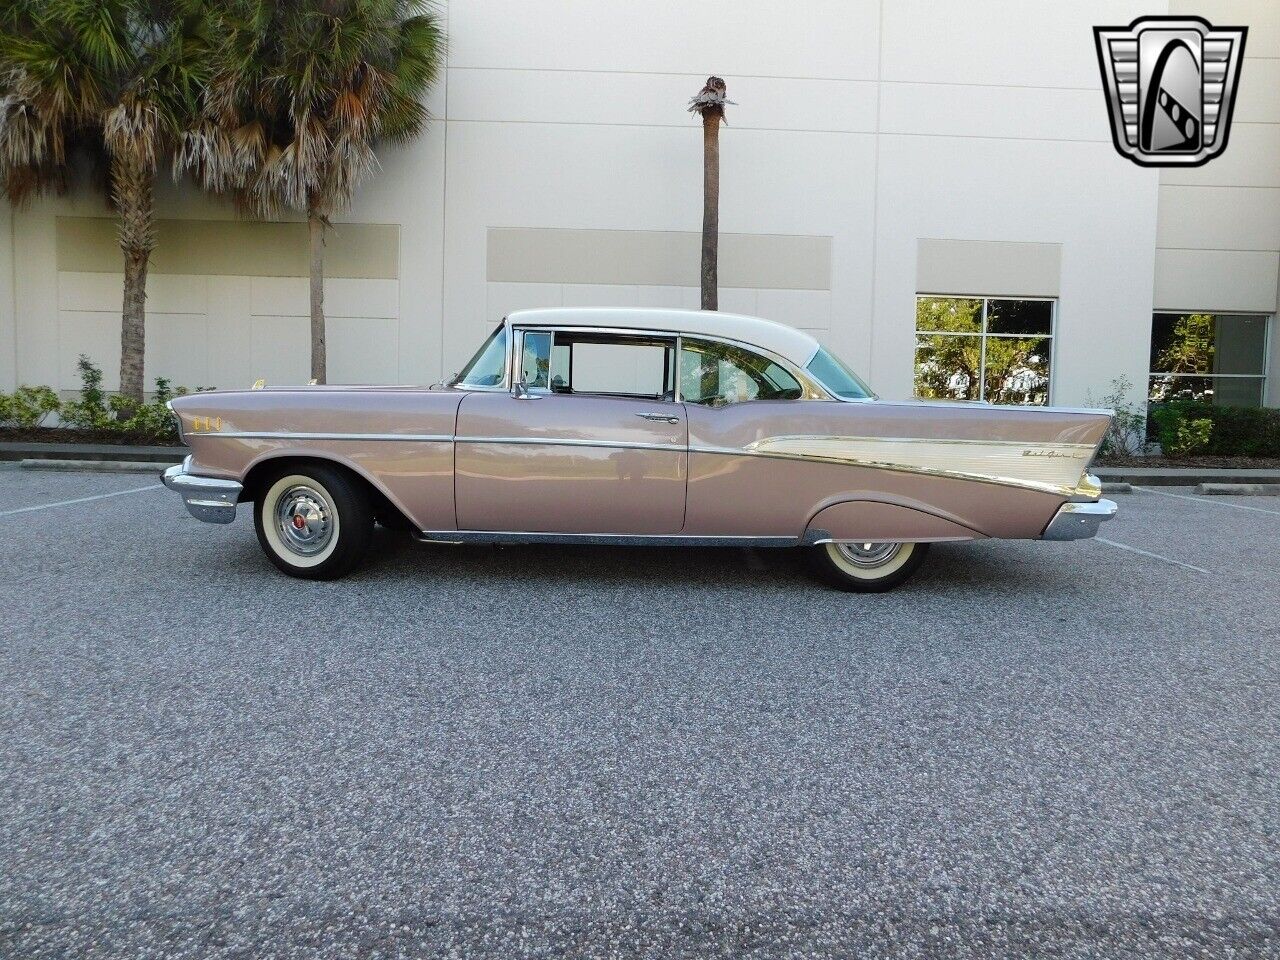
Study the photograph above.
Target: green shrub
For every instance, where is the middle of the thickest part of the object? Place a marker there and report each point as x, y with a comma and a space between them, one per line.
1126, 434
94, 410
28, 407
90, 412
1231, 431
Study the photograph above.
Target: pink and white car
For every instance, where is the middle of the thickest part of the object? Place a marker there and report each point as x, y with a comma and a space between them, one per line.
618, 426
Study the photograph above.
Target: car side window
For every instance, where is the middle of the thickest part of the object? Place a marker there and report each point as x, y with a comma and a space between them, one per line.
580, 362
716, 374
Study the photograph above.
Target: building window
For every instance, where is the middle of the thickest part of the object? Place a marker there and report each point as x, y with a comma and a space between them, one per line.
971, 348
1215, 357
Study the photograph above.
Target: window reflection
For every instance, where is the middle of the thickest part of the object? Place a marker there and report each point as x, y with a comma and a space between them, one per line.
1213, 358
984, 349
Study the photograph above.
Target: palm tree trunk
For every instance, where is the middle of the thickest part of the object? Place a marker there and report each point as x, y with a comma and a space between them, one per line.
133, 184
315, 235
710, 209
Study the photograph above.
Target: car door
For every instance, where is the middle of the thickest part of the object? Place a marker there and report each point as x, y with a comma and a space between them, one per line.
589, 440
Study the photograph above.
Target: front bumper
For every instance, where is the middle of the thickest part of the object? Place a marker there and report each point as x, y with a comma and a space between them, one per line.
207, 498
1079, 521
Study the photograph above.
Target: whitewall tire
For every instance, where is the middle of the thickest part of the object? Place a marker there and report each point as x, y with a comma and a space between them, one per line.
867, 567
313, 521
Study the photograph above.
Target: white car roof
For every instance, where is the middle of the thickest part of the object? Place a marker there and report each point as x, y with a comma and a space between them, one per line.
787, 342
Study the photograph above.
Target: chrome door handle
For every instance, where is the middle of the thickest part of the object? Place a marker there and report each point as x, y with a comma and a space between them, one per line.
658, 417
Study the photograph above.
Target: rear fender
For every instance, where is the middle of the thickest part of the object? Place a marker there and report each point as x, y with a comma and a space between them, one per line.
880, 521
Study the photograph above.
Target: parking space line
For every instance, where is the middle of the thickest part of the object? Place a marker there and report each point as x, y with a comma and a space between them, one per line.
1207, 501
68, 503
1153, 556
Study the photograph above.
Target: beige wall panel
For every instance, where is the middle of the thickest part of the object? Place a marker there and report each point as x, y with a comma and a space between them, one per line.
1216, 280
661, 258
599, 295
820, 38
278, 349
739, 300
1252, 159
362, 350
806, 309
674, 298
374, 299
279, 297
1262, 17
8, 330
96, 334
89, 291
291, 297
504, 298
993, 111
1219, 218
233, 248
166, 293
647, 99
1041, 43
177, 348
229, 332
35, 284
989, 268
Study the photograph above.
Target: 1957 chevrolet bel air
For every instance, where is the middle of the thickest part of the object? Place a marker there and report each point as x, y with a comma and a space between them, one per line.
639, 427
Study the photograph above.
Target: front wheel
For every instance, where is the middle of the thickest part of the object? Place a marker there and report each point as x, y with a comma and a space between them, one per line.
867, 567
313, 522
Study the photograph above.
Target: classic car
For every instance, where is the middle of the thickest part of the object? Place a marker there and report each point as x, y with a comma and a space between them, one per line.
632, 427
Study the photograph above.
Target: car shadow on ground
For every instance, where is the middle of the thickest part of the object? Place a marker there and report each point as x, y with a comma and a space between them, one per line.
397, 558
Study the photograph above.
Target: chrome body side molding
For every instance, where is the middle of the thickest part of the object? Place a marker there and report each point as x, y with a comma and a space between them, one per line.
1079, 521
601, 539
207, 498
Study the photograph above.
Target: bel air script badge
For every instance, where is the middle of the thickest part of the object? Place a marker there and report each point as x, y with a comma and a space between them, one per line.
1052, 454
1171, 86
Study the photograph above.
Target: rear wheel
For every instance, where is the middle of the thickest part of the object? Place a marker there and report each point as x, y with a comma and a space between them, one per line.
314, 522
867, 567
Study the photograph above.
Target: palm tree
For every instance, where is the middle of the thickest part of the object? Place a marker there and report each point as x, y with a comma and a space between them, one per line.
118, 79
710, 103
304, 91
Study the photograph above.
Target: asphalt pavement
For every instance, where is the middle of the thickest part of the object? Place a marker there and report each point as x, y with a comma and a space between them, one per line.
1032, 749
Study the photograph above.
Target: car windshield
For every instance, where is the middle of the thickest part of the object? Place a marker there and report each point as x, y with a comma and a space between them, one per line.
831, 372
488, 367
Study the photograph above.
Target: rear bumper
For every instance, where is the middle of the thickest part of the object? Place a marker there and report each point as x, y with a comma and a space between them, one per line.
207, 498
1079, 521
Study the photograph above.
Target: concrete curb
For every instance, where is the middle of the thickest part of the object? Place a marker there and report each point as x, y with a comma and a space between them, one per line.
1182, 476
95, 466
14, 450
1117, 488
1239, 489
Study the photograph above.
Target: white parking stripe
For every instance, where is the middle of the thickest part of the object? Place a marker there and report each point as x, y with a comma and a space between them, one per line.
1148, 553
1207, 501
67, 503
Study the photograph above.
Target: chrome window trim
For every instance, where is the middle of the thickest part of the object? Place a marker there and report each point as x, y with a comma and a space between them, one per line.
805, 379
633, 333
506, 384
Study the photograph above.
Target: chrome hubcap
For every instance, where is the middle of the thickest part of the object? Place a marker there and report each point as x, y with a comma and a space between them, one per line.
868, 554
305, 520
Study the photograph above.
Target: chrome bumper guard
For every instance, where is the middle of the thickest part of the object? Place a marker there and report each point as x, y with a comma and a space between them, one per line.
207, 498
1079, 521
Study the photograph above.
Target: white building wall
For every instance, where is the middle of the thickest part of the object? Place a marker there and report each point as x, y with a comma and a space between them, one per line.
873, 125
